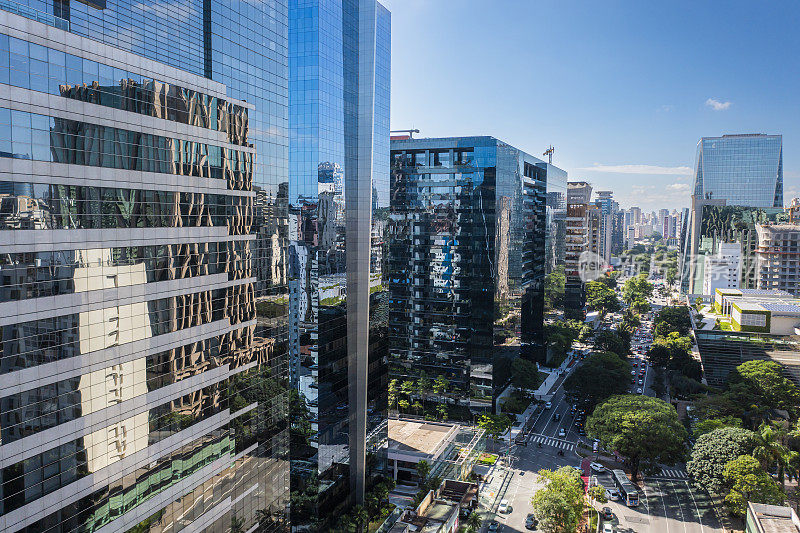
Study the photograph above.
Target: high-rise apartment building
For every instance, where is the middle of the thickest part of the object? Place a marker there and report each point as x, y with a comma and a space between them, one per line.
578, 242
467, 260
143, 152
740, 172
778, 257
722, 269
605, 202
339, 76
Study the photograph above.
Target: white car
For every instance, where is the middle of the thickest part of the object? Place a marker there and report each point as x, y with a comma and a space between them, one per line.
639, 390
612, 494
608, 528
548, 405
504, 507
597, 467
562, 433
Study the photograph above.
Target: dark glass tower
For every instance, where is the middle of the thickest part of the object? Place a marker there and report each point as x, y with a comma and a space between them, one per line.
469, 233
144, 298
338, 202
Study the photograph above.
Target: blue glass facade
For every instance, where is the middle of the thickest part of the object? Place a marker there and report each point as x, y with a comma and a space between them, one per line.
144, 383
331, 164
469, 229
744, 170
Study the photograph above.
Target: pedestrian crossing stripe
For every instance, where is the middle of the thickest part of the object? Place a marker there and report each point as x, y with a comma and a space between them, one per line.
555, 443
672, 473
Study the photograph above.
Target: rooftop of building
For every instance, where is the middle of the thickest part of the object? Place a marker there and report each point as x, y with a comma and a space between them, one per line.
417, 436
773, 518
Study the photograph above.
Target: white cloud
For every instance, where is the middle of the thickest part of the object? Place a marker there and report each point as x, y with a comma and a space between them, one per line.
638, 169
682, 187
716, 105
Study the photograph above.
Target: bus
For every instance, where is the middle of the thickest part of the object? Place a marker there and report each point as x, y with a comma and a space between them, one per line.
627, 490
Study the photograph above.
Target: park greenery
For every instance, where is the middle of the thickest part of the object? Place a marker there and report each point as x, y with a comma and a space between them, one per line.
748, 437
559, 505
643, 430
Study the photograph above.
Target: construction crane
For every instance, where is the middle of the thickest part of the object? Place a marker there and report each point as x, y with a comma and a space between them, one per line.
549, 153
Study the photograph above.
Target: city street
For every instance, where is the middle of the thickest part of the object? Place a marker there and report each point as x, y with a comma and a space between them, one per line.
668, 504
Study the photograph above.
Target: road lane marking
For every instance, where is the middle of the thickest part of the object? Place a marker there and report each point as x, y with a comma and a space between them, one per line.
699, 516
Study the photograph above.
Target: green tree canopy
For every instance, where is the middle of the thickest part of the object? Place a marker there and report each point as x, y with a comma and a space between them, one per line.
765, 380
610, 341
707, 426
637, 288
602, 375
658, 355
748, 482
559, 505
674, 318
495, 425
641, 428
524, 374
712, 451
554, 289
600, 298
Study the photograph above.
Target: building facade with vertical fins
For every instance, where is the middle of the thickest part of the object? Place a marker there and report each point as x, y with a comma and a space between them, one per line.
143, 242
338, 203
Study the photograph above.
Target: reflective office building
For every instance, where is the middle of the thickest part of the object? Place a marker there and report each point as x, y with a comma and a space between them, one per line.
469, 229
339, 59
143, 242
741, 171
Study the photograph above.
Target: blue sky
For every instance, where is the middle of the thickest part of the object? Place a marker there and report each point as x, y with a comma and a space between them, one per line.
623, 90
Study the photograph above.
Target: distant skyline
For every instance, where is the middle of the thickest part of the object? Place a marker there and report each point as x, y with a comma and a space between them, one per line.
623, 90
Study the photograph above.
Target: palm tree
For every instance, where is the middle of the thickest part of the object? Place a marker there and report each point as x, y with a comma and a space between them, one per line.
770, 452
474, 522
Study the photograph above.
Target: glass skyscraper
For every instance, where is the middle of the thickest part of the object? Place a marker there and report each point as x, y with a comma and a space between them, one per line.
468, 252
144, 297
339, 59
745, 171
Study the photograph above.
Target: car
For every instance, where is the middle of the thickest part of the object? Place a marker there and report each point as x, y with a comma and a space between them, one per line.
612, 494
493, 526
633, 381
562, 433
531, 522
504, 507
639, 390
641, 382
548, 405
608, 528
608, 514
597, 467
557, 417
633, 372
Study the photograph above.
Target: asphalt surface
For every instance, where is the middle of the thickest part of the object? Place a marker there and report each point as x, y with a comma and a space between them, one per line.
668, 503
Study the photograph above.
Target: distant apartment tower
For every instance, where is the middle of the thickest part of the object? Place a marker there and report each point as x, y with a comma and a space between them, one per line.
604, 200
578, 242
722, 269
741, 171
778, 257
467, 259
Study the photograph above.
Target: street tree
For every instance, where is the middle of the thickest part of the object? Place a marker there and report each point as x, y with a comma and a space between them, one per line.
559, 505
673, 318
770, 452
713, 450
765, 380
658, 355
600, 298
494, 425
602, 375
640, 428
748, 482
610, 341
597, 493
637, 288
524, 374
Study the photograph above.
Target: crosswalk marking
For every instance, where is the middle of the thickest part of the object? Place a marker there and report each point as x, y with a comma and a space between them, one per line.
672, 473
555, 443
